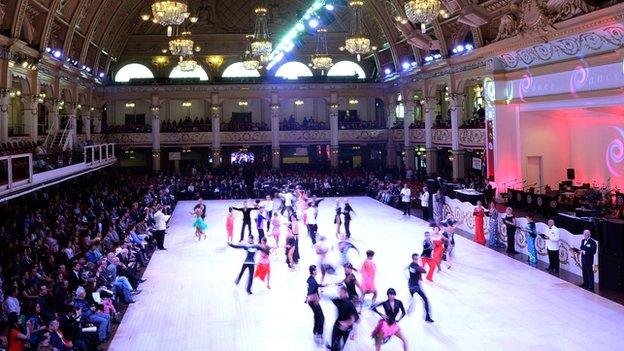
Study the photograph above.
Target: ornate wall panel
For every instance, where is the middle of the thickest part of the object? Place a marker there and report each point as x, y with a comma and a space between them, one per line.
304, 136
418, 136
472, 138
182, 139
246, 138
363, 135
441, 137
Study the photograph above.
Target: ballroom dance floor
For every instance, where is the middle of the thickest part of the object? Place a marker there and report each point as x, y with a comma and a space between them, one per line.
487, 301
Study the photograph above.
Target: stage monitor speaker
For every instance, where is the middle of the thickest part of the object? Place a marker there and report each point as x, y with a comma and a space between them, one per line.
570, 173
611, 273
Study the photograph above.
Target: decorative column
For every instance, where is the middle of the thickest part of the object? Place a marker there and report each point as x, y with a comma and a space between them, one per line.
275, 133
333, 125
408, 119
29, 104
215, 118
156, 157
53, 116
457, 111
86, 122
390, 147
4, 115
97, 122
71, 115
431, 152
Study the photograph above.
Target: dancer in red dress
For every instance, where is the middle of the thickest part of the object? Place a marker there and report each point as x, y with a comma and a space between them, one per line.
368, 276
479, 214
438, 250
263, 268
229, 225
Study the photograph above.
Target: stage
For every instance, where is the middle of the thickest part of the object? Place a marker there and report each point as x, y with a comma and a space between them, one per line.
487, 301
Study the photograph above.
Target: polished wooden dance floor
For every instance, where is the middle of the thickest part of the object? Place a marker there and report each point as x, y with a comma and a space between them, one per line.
487, 301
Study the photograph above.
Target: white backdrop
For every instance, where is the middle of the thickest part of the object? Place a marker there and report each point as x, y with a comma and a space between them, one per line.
570, 261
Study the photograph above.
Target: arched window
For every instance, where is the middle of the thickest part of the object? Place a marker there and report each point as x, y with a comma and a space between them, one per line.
346, 69
133, 71
199, 72
293, 70
237, 70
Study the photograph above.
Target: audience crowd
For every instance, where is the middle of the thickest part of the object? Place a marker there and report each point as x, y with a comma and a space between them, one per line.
71, 258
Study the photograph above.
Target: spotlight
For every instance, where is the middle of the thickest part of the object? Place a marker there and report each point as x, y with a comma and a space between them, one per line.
25, 64
460, 48
299, 27
101, 75
406, 65
329, 7
469, 47
387, 71
88, 69
56, 54
48, 50
454, 50
313, 23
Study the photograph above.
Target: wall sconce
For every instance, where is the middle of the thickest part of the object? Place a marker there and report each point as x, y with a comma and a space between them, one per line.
353, 102
243, 103
333, 106
215, 60
187, 104
298, 102
130, 105
275, 107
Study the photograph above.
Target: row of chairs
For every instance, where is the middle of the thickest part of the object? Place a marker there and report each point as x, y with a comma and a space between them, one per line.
17, 147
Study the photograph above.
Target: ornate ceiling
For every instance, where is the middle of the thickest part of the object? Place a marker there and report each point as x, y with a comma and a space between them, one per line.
100, 32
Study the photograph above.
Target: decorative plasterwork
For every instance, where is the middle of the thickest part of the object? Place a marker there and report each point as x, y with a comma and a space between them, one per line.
441, 137
363, 135
418, 136
298, 136
472, 138
582, 45
254, 137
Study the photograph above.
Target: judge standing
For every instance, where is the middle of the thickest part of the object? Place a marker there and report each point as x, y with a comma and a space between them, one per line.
406, 199
424, 203
552, 246
160, 225
588, 250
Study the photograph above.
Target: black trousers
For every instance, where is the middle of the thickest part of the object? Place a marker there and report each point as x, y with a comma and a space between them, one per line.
270, 215
245, 223
339, 338
588, 273
260, 234
425, 211
347, 223
406, 207
160, 238
250, 267
319, 318
312, 228
417, 290
553, 260
511, 241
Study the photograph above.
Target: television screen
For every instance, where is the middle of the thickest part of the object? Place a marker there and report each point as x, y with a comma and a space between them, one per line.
242, 158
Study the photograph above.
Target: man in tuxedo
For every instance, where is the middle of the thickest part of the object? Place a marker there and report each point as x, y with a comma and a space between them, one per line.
588, 250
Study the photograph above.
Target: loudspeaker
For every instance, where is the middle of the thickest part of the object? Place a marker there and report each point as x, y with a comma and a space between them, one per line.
611, 273
571, 173
612, 239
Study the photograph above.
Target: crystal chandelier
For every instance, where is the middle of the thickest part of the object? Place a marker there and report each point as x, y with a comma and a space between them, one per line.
422, 11
187, 63
250, 62
169, 12
357, 42
182, 44
260, 44
321, 59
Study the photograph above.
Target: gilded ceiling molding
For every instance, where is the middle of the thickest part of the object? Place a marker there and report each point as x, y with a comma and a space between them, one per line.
386, 29
47, 27
581, 45
79, 14
91, 31
439, 33
18, 18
